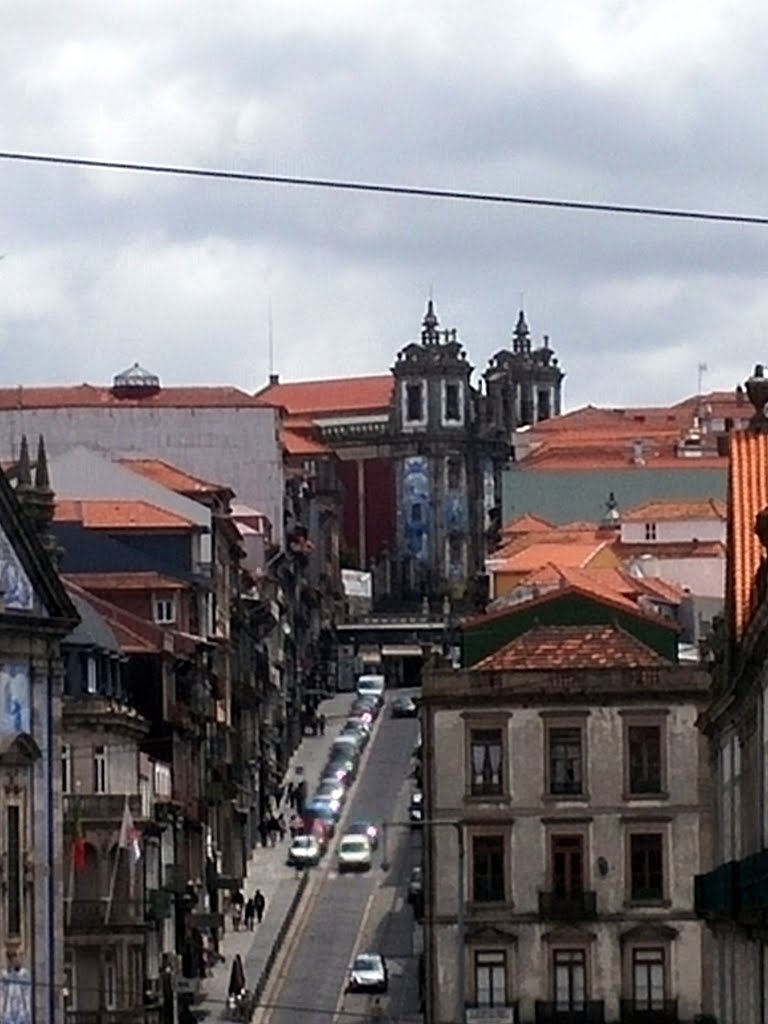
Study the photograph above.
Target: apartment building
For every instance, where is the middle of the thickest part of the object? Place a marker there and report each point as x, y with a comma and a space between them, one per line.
563, 776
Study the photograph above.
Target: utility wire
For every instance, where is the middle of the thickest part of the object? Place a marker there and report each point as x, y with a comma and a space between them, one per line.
340, 184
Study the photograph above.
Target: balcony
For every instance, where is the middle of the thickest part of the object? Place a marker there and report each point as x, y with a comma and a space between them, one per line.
570, 906
506, 1014
716, 893
85, 916
753, 884
553, 1013
665, 1013
108, 807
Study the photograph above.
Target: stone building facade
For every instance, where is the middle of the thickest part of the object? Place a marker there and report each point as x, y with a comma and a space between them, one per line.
563, 774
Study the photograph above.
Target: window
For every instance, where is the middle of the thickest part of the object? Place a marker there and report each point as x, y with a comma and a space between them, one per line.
646, 865
66, 768
100, 781
486, 762
567, 866
570, 980
91, 675
14, 872
487, 869
414, 402
490, 978
165, 610
644, 746
648, 979
454, 473
543, 405
650, 531
565, 761
452, 402
454, 557
110, 980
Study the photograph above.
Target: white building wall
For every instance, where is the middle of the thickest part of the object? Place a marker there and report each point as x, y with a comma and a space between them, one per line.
674, 530
703, 577
237, 447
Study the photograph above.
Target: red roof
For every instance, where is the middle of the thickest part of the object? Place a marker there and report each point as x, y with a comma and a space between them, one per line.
92, 396
676, 509
747, 495
551, 648
103, 581
339, 395
526, 524
102, 514
301, 442
170, 476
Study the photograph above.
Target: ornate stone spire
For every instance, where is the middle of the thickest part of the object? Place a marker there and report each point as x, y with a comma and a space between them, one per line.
42, 480
757, 392
430, 334
521, 341
23, 467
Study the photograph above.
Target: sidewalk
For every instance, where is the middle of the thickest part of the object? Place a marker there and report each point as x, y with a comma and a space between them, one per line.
282, 885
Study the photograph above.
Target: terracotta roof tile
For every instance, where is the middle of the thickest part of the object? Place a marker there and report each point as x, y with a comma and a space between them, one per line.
170, 476
549, 648
538, 554
301, 442
676, 509
671, 549
120, 515
325, 397
103, 581
747, 495
526, 524
89, 396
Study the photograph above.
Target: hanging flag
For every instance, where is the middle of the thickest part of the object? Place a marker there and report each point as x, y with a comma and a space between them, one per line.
79, 851
129, 834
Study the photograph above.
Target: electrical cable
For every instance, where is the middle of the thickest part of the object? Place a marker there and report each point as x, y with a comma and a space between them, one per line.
340, 184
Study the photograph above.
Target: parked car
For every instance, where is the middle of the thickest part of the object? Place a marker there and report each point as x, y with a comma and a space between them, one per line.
323, 806
304, 851
366, 707
404, 707
319, 812
368, 973
416, 807
415, 885
358, 732
331, 787
361, 827
342, 767
354, 853
346, 745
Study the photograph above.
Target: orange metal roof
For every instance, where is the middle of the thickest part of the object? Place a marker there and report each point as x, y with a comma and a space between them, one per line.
324, 397
91, 396
675, 509
170, 476
98, 514
548, 648
125, 581
747, 495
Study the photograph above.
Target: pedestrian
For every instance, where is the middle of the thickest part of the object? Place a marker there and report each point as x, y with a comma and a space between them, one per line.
301, 797
279, 794
273, 830
250, 914
236, 981
281, 826
238, 902
263, 832
259, 904
290, 795
321, 723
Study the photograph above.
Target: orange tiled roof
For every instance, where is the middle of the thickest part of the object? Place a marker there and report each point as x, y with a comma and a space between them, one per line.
170, 476
549, 648
537, 554
557, 536
301, 442
340, 395
671, 549
78, 396
747, 495
606, 580
526, 524
125, 581
676, 509
97, 514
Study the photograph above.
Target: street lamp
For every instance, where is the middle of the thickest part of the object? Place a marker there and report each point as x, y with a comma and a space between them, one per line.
457, 824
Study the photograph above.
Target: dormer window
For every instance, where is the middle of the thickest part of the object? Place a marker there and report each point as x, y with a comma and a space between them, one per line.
452, 403
650, 531
415, 403
91, 674
165, 611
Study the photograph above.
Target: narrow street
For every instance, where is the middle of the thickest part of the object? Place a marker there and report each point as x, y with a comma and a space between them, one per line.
346, 914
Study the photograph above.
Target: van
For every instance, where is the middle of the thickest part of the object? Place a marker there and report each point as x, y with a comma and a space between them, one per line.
371, 686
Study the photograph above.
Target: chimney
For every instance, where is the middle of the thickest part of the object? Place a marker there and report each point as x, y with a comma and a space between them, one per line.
274, 378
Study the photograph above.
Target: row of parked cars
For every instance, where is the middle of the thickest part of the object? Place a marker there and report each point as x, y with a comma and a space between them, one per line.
322, 813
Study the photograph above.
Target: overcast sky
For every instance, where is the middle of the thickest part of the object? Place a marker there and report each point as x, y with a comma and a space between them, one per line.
647, 102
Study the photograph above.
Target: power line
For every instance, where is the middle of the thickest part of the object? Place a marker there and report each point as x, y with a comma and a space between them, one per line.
340, 184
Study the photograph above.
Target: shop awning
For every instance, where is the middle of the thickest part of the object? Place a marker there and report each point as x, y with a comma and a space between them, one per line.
402, 651
370, 654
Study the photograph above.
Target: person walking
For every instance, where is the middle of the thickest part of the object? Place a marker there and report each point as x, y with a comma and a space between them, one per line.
290, 795
321, 723
238, 902
250, 914
236, 981
259, 904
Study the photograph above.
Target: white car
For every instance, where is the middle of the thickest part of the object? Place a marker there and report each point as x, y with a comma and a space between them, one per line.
371, 686
368, 973
354, 853
305, 851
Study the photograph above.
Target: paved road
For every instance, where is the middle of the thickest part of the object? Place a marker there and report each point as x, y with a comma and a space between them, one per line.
345, 913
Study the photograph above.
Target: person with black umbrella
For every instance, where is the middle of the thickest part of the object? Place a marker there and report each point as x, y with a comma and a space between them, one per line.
236, 988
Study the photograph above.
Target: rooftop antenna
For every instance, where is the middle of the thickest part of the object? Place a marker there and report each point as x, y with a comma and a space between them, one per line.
270, 338
702, 369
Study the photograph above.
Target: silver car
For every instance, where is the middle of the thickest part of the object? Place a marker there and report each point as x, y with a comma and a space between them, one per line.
368, 973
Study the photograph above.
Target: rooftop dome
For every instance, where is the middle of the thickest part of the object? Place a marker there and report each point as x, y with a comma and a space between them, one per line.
136, 378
